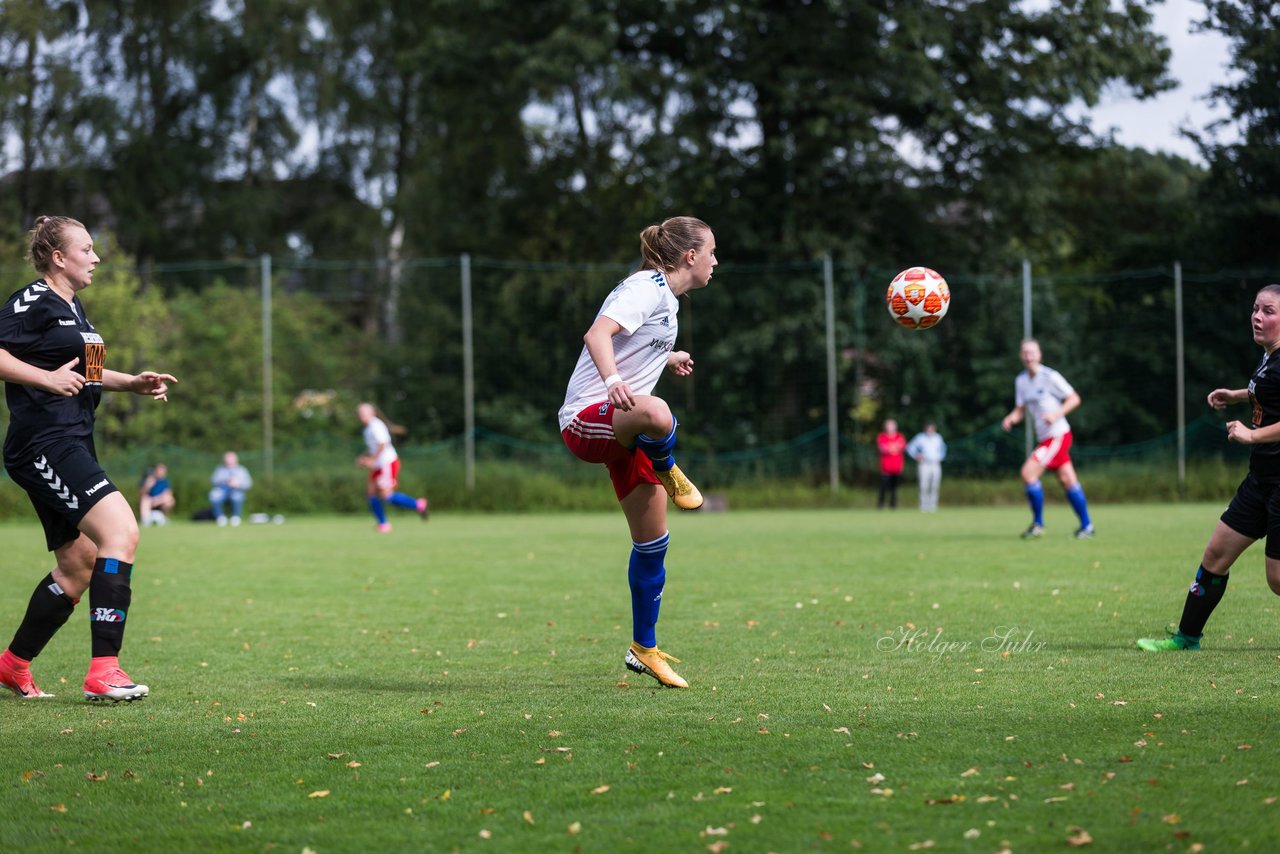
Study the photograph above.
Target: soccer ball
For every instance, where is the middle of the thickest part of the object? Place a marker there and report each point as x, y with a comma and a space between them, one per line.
918, 298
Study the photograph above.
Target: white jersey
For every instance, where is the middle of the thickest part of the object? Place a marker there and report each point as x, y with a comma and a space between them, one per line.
1041, 394
376, 435
645, 308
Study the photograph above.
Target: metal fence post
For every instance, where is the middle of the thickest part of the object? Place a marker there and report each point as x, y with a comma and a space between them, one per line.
468, 377
268, 393
833, 424
1027, 430
1182, 378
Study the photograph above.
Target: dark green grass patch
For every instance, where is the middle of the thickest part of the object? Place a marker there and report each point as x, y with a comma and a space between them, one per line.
897, 681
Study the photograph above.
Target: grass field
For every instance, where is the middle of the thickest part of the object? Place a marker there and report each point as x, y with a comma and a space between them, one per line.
890, 681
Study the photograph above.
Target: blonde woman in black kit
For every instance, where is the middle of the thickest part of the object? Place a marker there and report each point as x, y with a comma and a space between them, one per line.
1254, 512
53, 363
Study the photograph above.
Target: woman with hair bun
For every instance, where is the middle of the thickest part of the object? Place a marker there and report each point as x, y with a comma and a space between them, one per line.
1254, 512
53, 363
610, 415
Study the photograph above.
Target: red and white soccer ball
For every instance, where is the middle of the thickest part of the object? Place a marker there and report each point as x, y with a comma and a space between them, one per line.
918, 298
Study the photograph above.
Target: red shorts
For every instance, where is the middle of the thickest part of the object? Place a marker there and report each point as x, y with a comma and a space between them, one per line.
1054, 452
590, 437
386, 477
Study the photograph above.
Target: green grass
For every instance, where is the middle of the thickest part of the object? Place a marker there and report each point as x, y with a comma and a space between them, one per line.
472, 667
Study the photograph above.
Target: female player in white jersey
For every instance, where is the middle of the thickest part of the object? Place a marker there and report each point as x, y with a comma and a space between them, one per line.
609, 415
383, 463
1045, 395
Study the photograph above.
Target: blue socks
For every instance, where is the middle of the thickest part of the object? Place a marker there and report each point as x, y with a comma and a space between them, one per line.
1076, 496
1035, 497
659, 450
399, 499
647, 575
379, 511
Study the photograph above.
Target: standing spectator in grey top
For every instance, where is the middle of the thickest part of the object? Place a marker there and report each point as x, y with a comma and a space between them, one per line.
928, 449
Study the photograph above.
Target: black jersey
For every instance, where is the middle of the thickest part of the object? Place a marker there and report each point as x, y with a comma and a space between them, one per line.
41, 328
1264, 397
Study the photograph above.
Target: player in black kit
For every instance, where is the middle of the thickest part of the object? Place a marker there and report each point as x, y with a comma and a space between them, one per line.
53, 363
1254, 512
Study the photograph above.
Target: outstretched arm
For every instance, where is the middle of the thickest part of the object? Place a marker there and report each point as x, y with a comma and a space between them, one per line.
148, 383
1220, 398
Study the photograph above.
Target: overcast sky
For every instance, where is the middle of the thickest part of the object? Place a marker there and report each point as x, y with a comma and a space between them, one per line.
1199, 61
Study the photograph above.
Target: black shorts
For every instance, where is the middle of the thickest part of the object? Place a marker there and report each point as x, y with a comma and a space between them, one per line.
1255, 512
63, 484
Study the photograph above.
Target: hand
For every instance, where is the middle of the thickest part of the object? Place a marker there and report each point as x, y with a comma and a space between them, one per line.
1050, 417
1237, 431
1007, 423
365, 460
620, 396
1220, 398
65, 382
153, 384
680, 363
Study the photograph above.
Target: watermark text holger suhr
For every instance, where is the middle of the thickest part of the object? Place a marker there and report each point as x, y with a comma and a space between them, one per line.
932, 642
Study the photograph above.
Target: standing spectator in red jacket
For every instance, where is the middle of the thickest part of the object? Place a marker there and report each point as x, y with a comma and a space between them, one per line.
890, 444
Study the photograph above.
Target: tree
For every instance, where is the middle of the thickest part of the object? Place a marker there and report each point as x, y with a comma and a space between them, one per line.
1243, 189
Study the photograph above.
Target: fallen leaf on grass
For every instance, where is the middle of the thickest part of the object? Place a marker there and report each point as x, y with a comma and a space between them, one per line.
718, 846
843, 729
335, 755
431, 765
920, 846
1171, 818
599, 790
970, 773
528, 817
58, 808
722, 790
574, 829
1079, 837
353, 764
876, 778
486, 834
446, 795
319, 793
98, 778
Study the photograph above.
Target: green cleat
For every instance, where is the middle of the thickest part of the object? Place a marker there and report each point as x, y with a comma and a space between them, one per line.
1175, 641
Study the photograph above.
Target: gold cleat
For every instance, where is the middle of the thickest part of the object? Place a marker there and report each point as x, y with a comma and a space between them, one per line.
653, 662
682, 491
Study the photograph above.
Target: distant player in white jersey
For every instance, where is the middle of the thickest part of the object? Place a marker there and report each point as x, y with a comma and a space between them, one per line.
609, 415
1046, 397
383, 463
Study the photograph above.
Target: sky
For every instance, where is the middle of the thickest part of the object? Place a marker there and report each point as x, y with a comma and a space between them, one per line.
1199, 62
